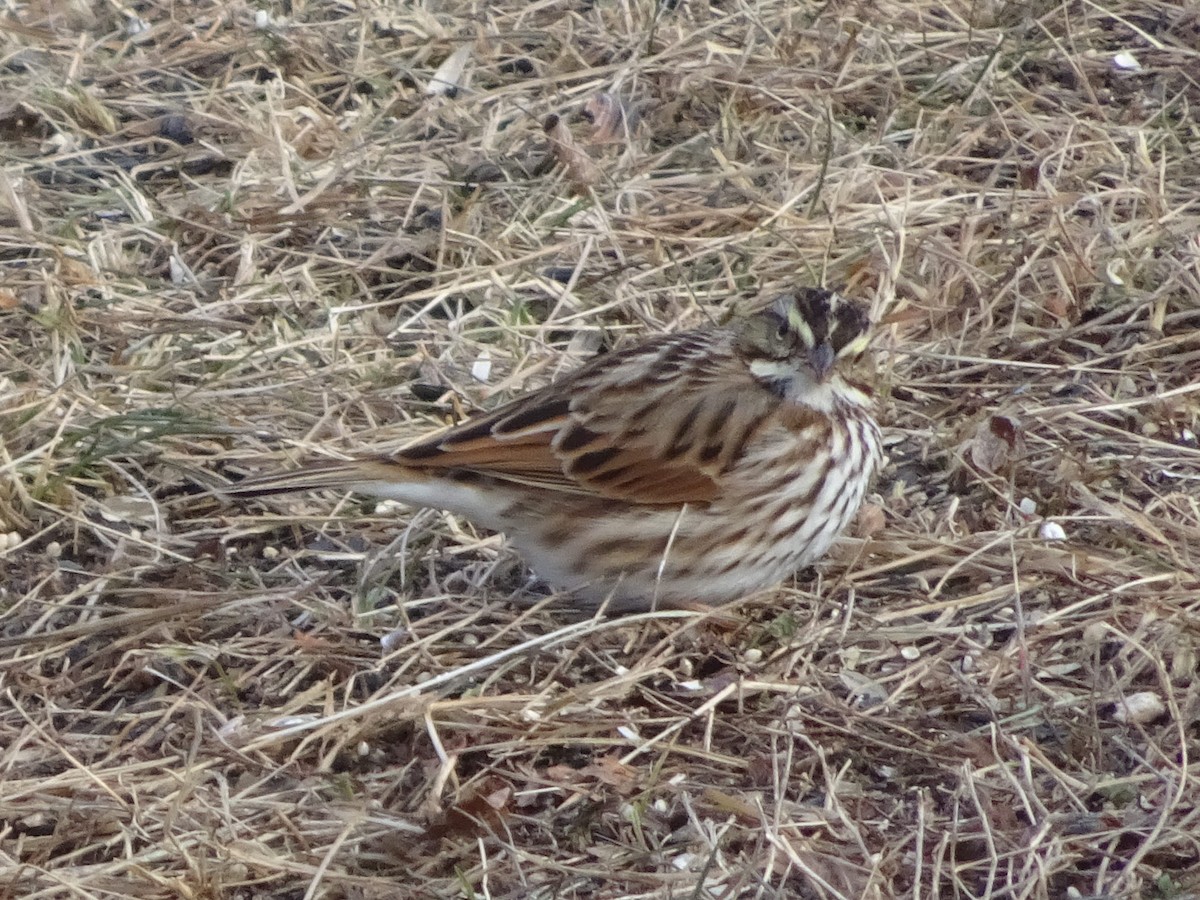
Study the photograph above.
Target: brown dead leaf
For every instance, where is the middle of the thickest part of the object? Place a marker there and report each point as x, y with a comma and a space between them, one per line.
311, 643
871, 520
611, 771
482, 812
613, 121
75, 273
582, 171
996, 443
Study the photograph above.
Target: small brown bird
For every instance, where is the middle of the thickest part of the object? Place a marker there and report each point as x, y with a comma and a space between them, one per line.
691, 468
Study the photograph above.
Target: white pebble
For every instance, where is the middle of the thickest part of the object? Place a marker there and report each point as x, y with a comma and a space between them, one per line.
54, 549
1126, 60
753, 656
1052, 531
1027, 506
910, 652
1139, 708
684, 861
481, 369
269, 552
393, 639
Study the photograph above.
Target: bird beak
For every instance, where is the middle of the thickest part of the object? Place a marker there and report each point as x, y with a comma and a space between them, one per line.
820, 358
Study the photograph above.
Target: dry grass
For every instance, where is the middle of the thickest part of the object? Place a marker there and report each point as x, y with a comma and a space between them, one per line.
234, 235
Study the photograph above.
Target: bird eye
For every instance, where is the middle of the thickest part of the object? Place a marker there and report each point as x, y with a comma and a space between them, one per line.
782, 331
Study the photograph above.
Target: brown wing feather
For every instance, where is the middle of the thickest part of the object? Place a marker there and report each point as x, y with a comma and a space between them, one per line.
619, 427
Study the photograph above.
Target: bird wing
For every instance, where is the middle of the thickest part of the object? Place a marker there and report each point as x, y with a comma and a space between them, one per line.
656, 424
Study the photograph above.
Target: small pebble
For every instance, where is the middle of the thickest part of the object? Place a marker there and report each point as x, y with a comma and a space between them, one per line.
393, 639
1126, 60
684, 861
481, 369
1139, 708
1052, 531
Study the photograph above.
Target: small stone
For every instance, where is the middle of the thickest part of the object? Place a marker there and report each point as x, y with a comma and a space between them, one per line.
1127, 61
1139, 708
684, 861
481, 369
393, 639
1052, 531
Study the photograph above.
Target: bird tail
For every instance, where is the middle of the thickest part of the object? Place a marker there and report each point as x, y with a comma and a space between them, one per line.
332, 474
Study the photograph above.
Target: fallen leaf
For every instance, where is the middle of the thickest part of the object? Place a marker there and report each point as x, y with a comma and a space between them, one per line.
582, 171
996, 443
446, 81
612, 120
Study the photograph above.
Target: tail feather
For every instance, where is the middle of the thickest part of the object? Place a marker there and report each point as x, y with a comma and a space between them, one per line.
332, 474
381, 478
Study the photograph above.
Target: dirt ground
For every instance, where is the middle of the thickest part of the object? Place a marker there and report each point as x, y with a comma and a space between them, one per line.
234, 236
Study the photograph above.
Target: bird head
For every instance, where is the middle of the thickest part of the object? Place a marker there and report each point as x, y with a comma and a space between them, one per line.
806, 334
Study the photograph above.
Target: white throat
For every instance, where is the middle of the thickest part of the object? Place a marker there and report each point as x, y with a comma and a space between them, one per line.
797, 386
